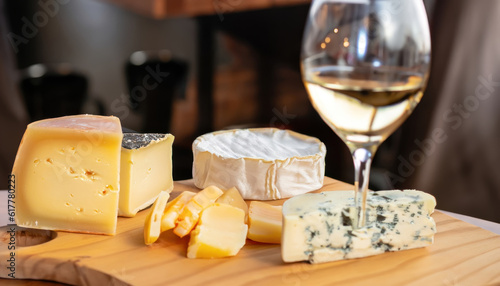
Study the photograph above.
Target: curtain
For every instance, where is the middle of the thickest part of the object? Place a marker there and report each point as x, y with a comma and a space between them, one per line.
452, 148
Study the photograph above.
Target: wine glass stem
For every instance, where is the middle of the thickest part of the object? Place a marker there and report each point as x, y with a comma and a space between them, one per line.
362, 161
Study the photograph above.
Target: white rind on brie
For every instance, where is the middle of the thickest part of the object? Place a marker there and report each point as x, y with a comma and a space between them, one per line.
262, 163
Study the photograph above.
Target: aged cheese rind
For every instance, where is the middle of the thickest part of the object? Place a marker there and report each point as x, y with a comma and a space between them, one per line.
146, 170
263, 163
317, 227
67, 174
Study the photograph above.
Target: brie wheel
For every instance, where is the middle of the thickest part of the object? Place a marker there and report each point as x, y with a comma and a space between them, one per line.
262, 163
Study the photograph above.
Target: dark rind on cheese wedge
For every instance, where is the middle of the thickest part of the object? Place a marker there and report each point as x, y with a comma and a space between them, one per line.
139, 140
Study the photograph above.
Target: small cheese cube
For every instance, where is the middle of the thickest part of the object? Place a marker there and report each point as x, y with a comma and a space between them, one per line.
146, 170
318, 227
174, 209
221, 232
265, 222
191, 213
152, 224
67, 173
233, 197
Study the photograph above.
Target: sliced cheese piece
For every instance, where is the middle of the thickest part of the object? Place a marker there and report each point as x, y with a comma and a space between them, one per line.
233, 197
221, 232
174, 209
318, 227
191, 213
146, 170
265, 222
67, 172
152, 224
263, 163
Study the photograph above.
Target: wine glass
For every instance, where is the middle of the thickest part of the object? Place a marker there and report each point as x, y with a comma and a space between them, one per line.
365, 65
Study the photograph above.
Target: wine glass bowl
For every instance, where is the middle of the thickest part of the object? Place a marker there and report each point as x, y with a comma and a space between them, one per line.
365, 65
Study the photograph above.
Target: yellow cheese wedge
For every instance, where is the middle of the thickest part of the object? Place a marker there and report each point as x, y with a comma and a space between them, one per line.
221, 232
174, 209
191, 212
146, 170
265, 222
152, 224
67, 173
233, 197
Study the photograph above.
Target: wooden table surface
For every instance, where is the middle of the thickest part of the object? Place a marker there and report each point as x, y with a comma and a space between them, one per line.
171, 8
463, 254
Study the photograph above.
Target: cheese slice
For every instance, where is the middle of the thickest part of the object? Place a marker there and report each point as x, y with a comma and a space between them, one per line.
190, 214
67, 173
263, 164
265, 222
221, 232
152, 224
174, 209
146, 170
233, 197
318, 227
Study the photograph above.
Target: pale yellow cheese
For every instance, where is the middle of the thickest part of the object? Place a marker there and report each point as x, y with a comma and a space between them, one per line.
265, 222
152, 224
191, 213
233, 197
174, 209
146, 170
67, 174
221, 232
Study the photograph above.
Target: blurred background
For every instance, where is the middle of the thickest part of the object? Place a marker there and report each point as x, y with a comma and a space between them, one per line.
191, 67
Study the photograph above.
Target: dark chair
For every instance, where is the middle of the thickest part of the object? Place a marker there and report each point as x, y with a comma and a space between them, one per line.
53, 91
154, 80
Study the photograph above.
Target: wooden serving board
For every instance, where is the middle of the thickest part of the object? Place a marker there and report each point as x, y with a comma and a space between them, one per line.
462, 254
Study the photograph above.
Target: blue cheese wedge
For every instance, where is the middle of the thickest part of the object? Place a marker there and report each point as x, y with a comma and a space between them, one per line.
318, 227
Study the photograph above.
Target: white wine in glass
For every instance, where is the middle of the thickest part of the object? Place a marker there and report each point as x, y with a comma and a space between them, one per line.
365, 64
